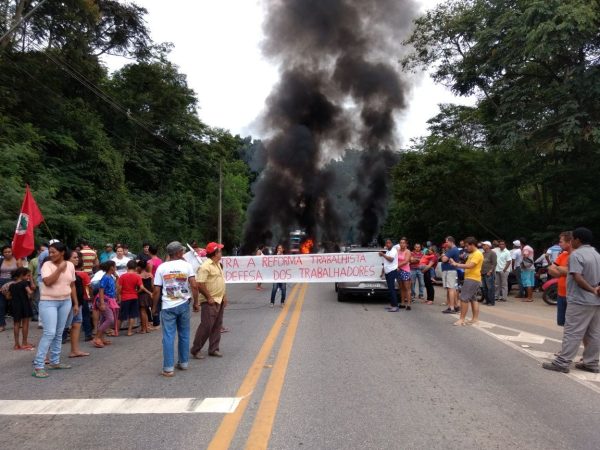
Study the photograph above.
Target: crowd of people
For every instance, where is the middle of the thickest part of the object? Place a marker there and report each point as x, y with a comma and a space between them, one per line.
67, 290
483, 266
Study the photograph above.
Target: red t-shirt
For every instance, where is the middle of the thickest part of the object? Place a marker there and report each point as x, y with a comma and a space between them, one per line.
562, 260
129, 281
427, 259
85, 279
418, 256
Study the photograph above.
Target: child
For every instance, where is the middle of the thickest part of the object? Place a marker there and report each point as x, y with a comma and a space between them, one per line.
128, 286
20, 293
144, 297
105, 303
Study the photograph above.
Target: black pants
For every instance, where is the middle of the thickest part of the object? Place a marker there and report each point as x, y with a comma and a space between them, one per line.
429, 286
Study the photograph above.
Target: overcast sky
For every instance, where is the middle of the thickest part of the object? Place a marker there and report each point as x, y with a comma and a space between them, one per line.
217, 47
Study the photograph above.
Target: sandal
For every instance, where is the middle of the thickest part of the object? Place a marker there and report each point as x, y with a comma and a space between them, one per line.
39, 373
79, 355
27, 347
97, 343
168, 374
59, 366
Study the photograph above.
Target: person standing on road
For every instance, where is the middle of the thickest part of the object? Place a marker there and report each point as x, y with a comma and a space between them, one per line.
527, 270
427, 263
404, 272
107, 254
488, 273
416, 274
8, 264
390, 270
211, 284
176, 278
503, 264
56, 299
517, 259
450, 275
582, 321
560, 269
472, 281
280, 286
90, 258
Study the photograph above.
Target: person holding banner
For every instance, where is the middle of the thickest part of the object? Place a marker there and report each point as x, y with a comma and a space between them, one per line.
390, 268
281, 286
211, 285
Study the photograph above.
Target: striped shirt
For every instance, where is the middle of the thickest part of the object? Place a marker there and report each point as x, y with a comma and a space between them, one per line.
89, 258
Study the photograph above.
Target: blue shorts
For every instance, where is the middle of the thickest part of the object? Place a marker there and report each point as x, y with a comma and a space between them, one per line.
403, 275
528, 278
74, 319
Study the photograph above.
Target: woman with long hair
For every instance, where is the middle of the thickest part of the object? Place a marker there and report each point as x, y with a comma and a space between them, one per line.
404, 272
57, 297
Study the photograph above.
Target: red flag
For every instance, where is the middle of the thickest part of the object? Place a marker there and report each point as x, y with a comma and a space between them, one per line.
29, 218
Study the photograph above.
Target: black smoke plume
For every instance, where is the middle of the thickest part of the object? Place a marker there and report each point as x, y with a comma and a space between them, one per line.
339, 86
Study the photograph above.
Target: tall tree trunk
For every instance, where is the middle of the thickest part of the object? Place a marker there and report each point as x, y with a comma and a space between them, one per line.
20, 6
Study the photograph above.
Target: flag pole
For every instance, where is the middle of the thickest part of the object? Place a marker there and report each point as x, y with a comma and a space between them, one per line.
48, 228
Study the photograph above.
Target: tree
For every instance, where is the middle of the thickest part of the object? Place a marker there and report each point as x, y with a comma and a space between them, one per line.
534, 67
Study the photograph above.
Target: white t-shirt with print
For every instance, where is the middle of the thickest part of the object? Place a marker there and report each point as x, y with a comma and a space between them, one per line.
174, 276
121, 264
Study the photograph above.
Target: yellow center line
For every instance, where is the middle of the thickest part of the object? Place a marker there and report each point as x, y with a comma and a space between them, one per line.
260, 433
229, 425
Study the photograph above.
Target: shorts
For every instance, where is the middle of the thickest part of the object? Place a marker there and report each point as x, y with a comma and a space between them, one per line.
78, 318
449, 279
403, 275
528, 278
469, 290
130, 309
144, 300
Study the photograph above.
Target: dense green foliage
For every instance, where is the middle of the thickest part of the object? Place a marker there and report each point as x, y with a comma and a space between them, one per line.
525, 160
109, 157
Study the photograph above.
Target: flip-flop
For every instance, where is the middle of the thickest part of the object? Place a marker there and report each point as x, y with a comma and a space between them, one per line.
79, 355
59, 366
458, 323
107, 342
526, 301
168, 374
97, 344
28, 348
224, 330
39, 373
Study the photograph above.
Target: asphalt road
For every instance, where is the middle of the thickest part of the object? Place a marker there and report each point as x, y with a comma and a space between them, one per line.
318, 374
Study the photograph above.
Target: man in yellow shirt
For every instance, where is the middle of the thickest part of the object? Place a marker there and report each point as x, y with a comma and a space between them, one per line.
472, 281
213, 300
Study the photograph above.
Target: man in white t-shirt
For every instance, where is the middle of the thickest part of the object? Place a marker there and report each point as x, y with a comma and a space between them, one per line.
503, 264
390, 269
121, 261
175, 279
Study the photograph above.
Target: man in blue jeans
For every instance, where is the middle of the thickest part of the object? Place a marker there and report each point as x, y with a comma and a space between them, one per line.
390, 269
175, 278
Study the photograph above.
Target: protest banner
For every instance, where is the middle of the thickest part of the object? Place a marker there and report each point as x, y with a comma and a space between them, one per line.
312, 268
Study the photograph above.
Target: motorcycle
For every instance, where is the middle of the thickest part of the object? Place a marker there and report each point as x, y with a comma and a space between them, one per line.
550, 291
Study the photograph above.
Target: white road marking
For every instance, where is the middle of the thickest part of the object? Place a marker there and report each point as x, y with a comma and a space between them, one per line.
587, 379
523, 337
223, 405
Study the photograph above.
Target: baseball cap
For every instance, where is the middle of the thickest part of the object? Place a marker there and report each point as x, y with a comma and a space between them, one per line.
174, 247
517, 243
53, 241
212, 246
488, 243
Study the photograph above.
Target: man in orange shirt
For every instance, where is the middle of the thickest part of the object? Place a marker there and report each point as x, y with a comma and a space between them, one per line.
560, 269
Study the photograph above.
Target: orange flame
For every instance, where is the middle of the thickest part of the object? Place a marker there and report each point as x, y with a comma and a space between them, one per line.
306, 246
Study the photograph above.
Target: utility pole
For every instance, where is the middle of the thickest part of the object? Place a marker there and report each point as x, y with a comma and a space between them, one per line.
220, 232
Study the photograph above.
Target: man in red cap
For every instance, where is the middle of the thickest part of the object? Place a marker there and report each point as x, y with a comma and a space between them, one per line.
213, 300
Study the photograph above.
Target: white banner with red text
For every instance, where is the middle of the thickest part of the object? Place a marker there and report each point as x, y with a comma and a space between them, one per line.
312, 268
